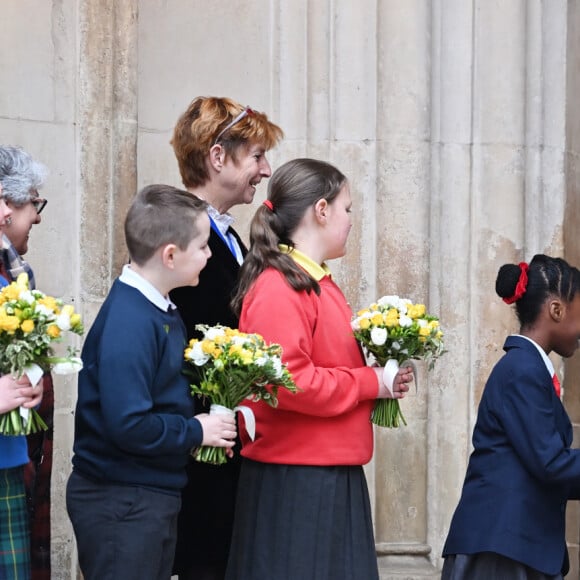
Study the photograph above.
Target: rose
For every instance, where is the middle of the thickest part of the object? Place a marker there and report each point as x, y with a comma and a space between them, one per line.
196, 354
379, 336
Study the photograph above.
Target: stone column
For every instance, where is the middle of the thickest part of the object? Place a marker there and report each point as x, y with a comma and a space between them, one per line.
403, 192
107, 145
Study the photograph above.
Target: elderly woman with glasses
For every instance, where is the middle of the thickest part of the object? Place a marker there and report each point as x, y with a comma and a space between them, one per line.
21, 177
221, 149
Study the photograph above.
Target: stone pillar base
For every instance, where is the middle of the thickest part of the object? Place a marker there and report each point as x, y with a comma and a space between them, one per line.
406, 562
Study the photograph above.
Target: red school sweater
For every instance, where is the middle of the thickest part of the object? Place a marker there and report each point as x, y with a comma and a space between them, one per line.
328, 421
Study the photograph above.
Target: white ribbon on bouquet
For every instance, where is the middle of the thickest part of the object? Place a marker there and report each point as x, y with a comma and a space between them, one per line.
245, 411
392, 368
34, 374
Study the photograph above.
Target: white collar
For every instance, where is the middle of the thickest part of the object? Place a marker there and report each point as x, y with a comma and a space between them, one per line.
222, 220
545, 357
131, 278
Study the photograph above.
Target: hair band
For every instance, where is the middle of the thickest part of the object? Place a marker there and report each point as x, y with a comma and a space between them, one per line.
520, 286
269, 204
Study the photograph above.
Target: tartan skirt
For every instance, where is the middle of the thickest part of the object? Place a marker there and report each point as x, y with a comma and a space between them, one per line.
14, 537
297, 522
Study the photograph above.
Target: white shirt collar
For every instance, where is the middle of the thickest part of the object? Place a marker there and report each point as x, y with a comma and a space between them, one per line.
222, 220
545, 357
131, 278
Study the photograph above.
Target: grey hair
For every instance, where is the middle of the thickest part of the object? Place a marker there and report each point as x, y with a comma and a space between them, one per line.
19, 174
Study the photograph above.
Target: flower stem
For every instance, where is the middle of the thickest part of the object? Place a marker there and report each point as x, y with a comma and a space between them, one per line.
12, 424
213, 455
387, 413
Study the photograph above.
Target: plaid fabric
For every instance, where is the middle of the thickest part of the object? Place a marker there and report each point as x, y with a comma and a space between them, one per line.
37, 475
14, 263
14, 540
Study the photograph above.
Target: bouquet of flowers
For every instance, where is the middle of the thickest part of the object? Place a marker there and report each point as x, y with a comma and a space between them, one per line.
30, 322
232, 366
395, 329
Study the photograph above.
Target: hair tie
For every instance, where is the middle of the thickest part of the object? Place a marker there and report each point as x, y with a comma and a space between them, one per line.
269, 204
520, 286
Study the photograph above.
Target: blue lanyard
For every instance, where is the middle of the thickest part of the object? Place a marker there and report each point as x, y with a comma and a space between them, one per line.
227, 238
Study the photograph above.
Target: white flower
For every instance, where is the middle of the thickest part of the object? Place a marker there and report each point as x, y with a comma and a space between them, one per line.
213, 333
44, 311
261, 361
277, 364
355, 324
393, 301
197, 356
405, 320
26, 296
396, 346
68, 367
379, 336
422, 322
63, 321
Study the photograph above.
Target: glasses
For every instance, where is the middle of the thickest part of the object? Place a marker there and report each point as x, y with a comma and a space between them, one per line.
38, 203
247, 111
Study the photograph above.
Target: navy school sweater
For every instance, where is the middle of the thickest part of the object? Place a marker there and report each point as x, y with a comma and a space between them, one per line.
134, 420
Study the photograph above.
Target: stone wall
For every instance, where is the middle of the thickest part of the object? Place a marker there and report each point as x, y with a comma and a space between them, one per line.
454, 120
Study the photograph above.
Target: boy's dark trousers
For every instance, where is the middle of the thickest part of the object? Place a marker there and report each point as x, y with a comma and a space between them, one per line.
122, 531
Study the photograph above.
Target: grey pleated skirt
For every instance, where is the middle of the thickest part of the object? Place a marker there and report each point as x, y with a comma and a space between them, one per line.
489, 566
302, 523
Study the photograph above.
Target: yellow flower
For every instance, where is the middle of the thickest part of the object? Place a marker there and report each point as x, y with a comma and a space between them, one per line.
377, 319
416, 311
364, 323
68, 310
392, 318
49, 302
362, 312
11, 292
246, 356
424, 331
53, 331
8, 323
235, 349
22, 280
75, 320
27, 326
207, 346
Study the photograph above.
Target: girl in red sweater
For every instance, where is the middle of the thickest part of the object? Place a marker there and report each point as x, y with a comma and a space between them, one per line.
303, 510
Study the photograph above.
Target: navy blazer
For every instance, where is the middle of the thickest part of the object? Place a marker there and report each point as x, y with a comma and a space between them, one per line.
210, 491
209, 301
522, 470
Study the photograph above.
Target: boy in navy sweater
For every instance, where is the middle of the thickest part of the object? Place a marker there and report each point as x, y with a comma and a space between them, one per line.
134, 423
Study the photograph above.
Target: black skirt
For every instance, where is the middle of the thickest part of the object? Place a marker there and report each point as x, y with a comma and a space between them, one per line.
296, 522
488, 565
